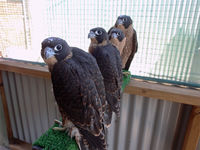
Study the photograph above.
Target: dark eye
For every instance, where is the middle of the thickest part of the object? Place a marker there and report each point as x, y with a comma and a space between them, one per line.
98, 32
58, 47
118, 33
124, 19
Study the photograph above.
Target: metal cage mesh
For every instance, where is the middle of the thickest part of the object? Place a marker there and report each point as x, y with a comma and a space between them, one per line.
168, 31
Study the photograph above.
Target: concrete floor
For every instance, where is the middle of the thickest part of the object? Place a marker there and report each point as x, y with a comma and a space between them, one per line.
3, 148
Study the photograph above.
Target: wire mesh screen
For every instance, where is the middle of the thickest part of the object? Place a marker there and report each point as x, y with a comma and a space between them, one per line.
168, 31
11, 25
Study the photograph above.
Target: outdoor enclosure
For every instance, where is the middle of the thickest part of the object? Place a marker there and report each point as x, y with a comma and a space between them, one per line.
160, 106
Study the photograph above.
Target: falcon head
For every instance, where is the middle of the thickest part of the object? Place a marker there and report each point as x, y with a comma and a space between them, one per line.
117, 38
116, 33
98, 36
124, 21
53, 50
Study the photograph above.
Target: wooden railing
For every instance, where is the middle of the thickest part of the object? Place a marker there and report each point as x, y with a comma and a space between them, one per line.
136, 87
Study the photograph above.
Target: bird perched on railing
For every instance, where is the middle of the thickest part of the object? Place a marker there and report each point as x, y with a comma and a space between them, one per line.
125, 24
109, 62
79, 92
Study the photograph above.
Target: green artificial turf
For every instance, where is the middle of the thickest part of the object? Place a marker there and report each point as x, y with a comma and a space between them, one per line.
126, 79
58, 140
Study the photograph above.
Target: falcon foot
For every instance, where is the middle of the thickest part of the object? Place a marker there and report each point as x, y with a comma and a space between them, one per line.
74, 132
126, 73
71, 130
61, 127
58, 122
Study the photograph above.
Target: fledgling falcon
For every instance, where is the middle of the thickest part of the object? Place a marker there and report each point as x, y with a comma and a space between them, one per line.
125, 24
79, 92
109, 62
117, 38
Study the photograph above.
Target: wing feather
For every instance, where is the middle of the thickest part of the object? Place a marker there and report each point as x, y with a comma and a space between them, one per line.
75, 88
109, 61
133, 50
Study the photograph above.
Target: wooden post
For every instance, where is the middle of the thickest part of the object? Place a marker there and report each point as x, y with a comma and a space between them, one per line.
5, 107
192, 135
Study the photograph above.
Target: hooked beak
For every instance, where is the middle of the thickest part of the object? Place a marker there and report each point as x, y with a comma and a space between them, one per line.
48, 52
119, 22
91, 35
114, 35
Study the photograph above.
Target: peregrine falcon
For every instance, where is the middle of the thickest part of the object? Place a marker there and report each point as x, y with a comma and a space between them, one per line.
124, 23
109, 61
79, 92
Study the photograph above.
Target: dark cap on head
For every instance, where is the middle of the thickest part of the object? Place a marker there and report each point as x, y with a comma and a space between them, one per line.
124, 20
54, 46
116, 33
99, 33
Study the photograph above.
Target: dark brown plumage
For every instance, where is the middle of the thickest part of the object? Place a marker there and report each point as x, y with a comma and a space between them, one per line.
79, 92
125, 24
109, 62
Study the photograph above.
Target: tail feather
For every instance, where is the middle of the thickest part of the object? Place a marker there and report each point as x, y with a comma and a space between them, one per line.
84, 144
91, 142
108, 116
114, 103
